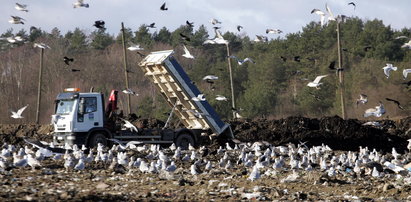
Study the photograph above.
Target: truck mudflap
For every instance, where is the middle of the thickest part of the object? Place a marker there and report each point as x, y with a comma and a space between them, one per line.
178, 90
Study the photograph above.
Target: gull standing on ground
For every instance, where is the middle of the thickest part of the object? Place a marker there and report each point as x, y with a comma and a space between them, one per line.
16, 20
241, 62
321, 14
405, 73
363, 99
377, 111
80, 3
387, 69
316, 83
21, 7
17, 115
187, 53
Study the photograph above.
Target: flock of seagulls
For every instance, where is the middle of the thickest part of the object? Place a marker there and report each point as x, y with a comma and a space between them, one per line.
256, 160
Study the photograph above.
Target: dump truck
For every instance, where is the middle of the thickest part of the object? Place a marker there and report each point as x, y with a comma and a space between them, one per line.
82, 117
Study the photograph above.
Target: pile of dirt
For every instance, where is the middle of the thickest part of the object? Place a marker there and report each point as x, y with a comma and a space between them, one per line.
334, 131
16, 133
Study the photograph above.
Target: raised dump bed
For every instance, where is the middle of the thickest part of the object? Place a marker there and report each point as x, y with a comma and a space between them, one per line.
178, 90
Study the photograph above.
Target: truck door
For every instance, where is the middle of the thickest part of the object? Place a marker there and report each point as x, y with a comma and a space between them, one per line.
89, 114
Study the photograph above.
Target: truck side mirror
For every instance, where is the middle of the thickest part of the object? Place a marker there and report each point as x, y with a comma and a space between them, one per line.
81, 106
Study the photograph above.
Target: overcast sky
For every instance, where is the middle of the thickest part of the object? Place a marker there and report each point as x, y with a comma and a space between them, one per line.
254, 15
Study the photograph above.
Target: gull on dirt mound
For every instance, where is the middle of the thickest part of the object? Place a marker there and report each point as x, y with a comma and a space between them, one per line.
187, 53
316, 83
377, 111
17, 115
387, 69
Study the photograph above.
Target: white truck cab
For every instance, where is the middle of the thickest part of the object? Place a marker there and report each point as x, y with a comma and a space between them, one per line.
77, 113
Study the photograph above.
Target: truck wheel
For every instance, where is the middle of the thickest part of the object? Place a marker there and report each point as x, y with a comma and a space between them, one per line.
97, 138
183, 140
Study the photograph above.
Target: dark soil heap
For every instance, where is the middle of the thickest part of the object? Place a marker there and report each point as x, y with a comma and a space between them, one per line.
337, 133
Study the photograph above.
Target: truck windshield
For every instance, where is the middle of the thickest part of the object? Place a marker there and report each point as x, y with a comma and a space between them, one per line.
64, 106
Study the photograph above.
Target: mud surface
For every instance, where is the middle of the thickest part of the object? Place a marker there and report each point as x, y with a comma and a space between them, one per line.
97, 182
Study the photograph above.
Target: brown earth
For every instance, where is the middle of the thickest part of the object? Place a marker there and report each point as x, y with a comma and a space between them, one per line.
96, 183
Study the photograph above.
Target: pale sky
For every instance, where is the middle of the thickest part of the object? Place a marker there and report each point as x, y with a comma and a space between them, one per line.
254, 15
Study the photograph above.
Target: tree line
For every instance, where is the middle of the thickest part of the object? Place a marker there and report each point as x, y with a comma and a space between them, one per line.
272, 87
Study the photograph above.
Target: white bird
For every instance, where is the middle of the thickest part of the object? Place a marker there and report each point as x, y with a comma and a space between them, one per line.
21, 7
221, 98
316, 83
378, 111
41, 45
260, 38
214, 21
80, 165
11, 39
129, 125
218, 39
130, 144
331, 16
16, 20
135, 47
143, 167
17, 115
130, 92
363, 99
387, 69
405, 73
407, 45
209, 78
409, 145
33, 162
321, 14
172, 167
80, 3
199, 97
187, 53
195, 170
375, 172
273, 31
241, 62
255, 174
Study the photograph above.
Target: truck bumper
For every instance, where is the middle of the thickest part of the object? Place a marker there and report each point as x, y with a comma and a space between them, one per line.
67, 138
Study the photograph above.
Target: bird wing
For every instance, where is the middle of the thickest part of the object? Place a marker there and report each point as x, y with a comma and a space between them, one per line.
186, 50
318, 78
329, 11
80, 1
218, 34
20, 111
163, 6
248, 59
405, 72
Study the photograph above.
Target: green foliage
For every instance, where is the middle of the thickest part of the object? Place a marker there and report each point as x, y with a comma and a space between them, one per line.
101, 40
77, 41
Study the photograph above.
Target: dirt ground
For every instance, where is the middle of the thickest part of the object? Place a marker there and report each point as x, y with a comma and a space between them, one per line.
52, 182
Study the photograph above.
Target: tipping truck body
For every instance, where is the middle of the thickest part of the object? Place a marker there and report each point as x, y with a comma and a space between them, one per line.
82, 118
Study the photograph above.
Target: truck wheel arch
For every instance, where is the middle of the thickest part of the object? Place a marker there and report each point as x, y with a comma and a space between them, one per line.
96, 131
186, 135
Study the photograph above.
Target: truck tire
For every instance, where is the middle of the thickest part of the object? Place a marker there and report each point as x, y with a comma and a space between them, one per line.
183, 140
97, 138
